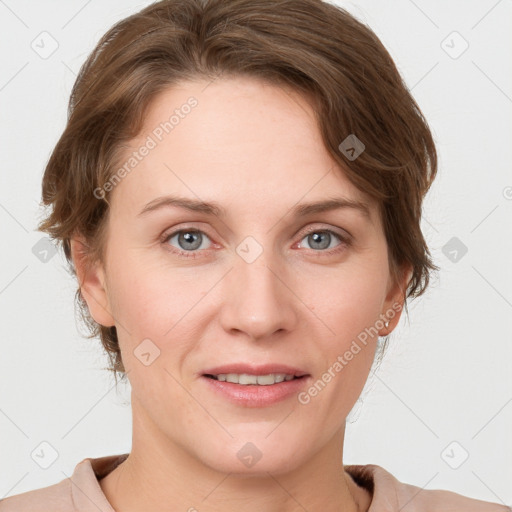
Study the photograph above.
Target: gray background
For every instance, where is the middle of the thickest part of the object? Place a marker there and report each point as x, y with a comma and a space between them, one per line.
444, 391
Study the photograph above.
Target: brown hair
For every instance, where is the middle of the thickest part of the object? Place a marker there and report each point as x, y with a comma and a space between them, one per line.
315, 47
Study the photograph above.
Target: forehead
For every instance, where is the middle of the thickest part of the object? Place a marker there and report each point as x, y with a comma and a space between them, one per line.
237, 139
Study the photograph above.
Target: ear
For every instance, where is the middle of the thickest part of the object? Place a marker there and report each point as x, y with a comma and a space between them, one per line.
91, 278
395, 300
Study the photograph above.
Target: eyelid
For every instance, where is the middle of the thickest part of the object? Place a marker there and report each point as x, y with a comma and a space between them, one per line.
318, 226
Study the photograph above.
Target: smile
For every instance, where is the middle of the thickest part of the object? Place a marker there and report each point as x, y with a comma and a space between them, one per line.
247, 379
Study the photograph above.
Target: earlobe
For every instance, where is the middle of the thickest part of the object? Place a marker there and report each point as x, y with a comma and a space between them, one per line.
91, 278
395, 302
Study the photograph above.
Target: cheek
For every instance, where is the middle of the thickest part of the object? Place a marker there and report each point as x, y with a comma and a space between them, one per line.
147, 296
158, 303
347, 302
346, 308
139, 303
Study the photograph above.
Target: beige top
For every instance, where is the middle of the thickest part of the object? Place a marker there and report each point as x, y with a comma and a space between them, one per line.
82, 492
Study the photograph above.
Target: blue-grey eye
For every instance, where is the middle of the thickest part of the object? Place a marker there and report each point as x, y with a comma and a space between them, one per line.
188, 240
320, 239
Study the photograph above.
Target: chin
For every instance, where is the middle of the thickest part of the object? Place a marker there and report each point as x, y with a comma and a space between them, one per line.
251, 457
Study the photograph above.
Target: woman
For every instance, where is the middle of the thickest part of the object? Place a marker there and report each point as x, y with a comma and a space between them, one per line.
239, 191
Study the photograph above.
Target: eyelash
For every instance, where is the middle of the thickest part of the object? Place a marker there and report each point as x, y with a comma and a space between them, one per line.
345, 242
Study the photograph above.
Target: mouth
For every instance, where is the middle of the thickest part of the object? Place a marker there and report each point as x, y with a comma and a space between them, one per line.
260, 388
250, 385
246, 379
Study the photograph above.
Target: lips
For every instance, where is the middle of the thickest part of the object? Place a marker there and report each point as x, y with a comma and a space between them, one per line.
243, 393
250, 369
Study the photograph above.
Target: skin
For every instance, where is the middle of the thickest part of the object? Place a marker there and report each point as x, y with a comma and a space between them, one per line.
255, 149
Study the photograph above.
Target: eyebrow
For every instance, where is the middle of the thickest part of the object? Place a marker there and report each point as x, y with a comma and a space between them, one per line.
214, 209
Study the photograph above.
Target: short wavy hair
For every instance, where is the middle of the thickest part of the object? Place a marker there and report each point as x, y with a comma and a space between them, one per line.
317, 48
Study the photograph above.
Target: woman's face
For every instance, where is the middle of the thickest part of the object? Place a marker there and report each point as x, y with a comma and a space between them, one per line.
258, 284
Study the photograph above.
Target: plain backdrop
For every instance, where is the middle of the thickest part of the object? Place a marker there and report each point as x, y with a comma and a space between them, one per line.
437, 413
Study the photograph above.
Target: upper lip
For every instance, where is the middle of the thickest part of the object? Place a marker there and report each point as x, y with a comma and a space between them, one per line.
263, 369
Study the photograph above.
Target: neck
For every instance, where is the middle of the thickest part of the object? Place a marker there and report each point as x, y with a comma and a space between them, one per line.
160, 475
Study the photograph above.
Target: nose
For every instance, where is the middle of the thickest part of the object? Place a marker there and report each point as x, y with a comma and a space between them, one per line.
257, 299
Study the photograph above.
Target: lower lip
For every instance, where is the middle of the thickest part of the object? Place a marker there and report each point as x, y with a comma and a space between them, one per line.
253, 395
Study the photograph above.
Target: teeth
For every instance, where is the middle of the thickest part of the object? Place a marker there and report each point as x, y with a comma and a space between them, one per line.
246, 379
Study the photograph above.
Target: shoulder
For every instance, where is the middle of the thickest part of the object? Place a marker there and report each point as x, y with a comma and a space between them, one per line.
391, 495
56, 497
80, 492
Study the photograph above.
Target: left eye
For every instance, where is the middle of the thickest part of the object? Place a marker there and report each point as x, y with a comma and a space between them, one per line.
321, 239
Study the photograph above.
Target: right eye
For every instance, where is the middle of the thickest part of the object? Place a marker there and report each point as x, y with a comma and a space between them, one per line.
188, 241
